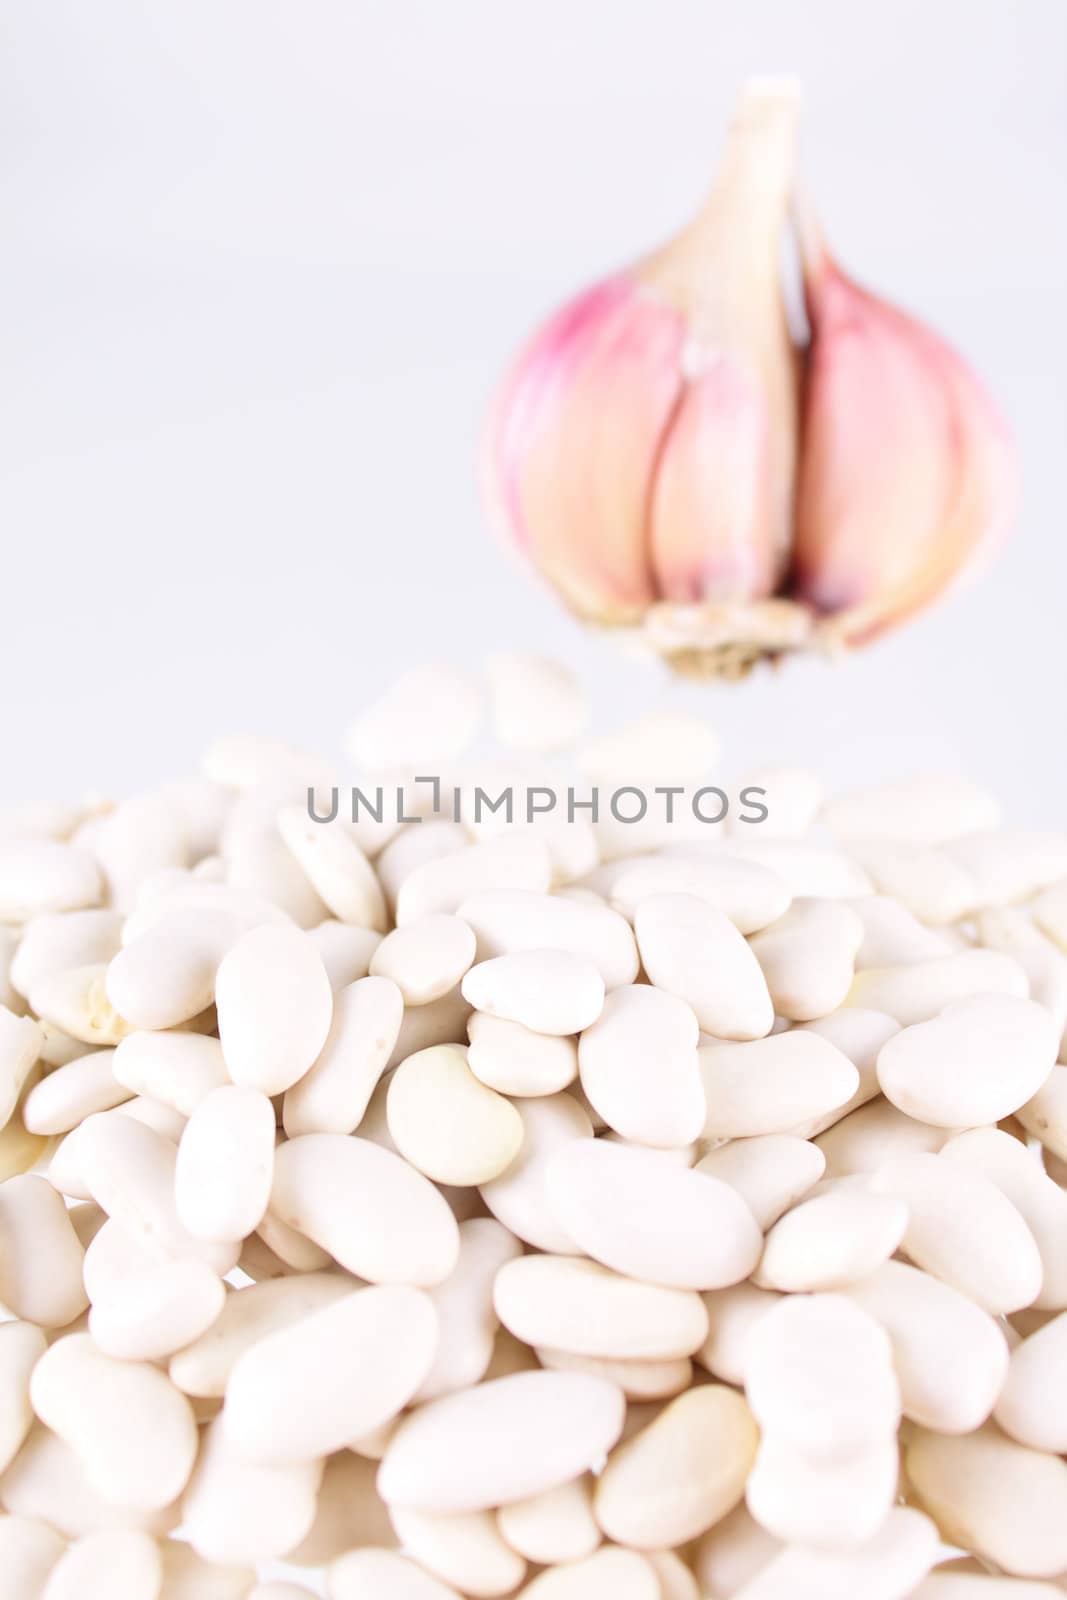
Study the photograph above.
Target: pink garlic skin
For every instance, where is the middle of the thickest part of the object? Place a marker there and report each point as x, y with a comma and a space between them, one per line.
907, 474
714, 474
574, 441
643, 447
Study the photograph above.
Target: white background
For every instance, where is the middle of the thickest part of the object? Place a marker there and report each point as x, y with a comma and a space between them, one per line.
264, 259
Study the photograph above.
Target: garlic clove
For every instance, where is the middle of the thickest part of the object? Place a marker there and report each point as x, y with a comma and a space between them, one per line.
721, 506
574, 444
907, 477
714, 533
643, 449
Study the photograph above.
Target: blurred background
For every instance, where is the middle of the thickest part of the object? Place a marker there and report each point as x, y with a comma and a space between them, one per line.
264, 261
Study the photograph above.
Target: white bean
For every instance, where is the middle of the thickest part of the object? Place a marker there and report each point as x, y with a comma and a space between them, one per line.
346, 951
21, 1040
129, 1170
447, 1123
793, 798
187, 1577
963, 1582
770, 1172
40, 1254
638, 1026
516, 1061
884, 1567
461, 1547
928, 810
336, 867
556, 1525
21, 1347
333, 1094
949, 1354
578, 1306
466, 1319
1045, 1114
458, 1453
919, 991
693, 951
48, 1480
239, 1512
745, 894
519, 1197
822, 1356
507, 920
177, 1069
630, 1211
893, 935
731, 1553
383, 1575
131, 1427
808, 870
1031, 1404
1041, 1203
732, 1314
76, 1001
807, 958
772, 1085
535, 702
875, 1133
141, 836
222, 1178
1003, 1501
924, 878
122, 1564
831, 1240
150, 1314
275, 1006
257, 859
549, 991
306, 1390
442, 884
963, 1229
57, 941
373, 1212
685, 1471
29, 1551
203, 1367
429, 714
67, 1096
609, 1574
1011, 864
412, 846
40, 876
426, 958
441, 1021
837, 1505
166, 975
638, 1380
860, 1035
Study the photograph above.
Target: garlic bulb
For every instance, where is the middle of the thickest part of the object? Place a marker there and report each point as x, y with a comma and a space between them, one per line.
643, 454
908, 474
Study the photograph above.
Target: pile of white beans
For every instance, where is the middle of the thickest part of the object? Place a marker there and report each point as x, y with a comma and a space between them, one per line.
565, 1209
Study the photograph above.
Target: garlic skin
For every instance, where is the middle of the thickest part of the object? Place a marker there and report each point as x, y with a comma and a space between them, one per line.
643, 449
908, 476
576, 440
643, 454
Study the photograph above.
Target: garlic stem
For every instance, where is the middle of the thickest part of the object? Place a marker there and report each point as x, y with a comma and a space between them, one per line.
735, 235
